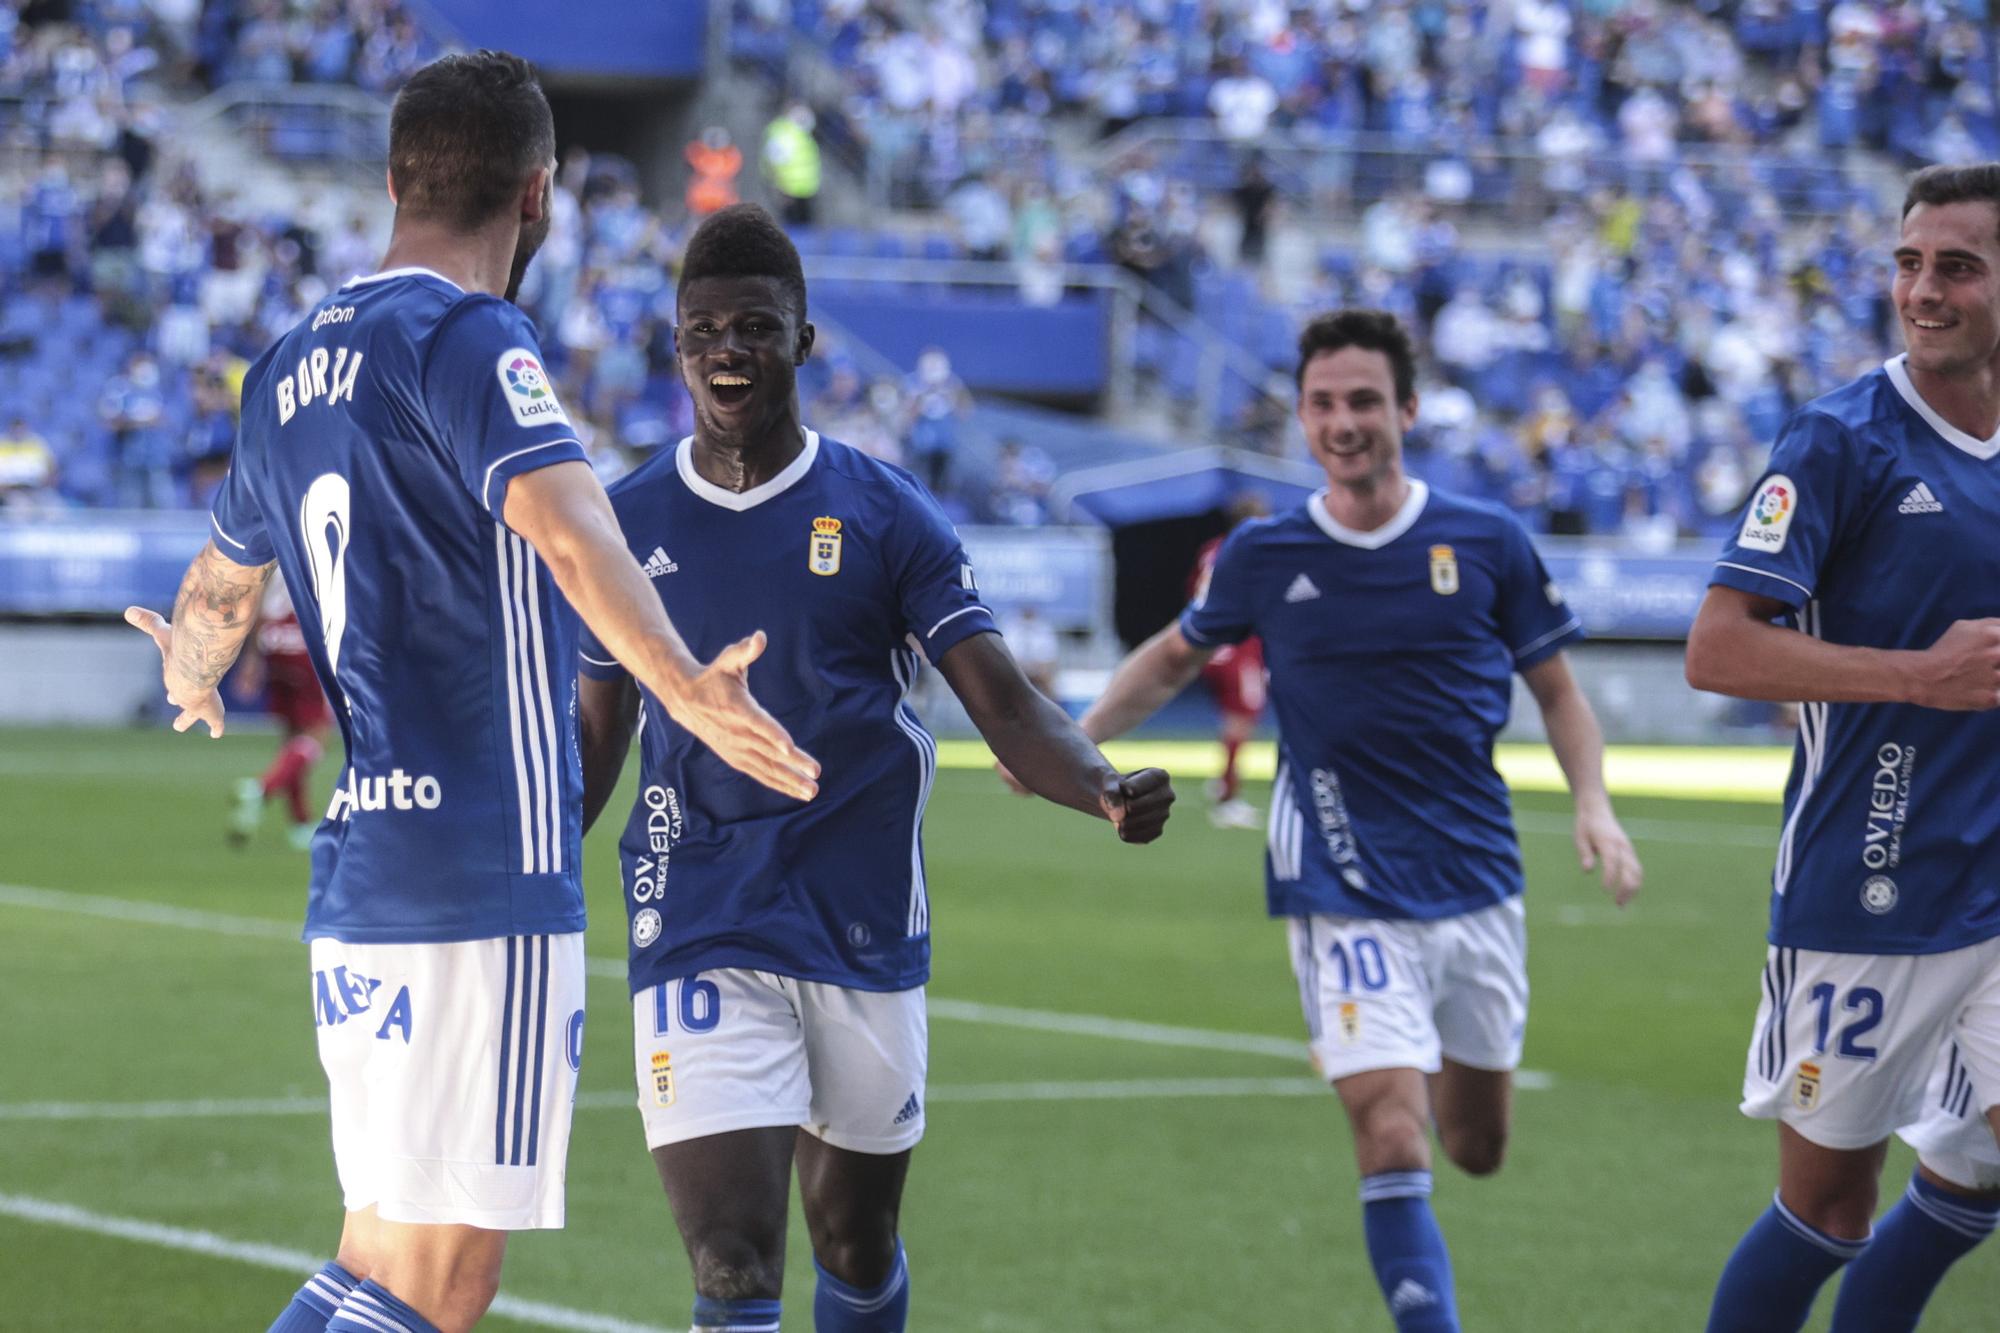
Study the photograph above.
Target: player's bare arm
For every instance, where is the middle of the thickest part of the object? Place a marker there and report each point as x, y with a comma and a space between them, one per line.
564, 514
1735, 648
608, 713
1047, 752
1578, 743
213, 614
1144, 683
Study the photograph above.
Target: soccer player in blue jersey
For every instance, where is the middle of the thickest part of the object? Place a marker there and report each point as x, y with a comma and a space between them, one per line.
1394, 618
1863, 583
404, 460
779, 951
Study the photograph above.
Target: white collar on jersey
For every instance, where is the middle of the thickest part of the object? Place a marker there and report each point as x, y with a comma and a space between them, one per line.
1375, 540
362, 280
1899, 375
756, 495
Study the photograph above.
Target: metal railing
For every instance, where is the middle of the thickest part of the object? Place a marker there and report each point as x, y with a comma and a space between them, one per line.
338, 129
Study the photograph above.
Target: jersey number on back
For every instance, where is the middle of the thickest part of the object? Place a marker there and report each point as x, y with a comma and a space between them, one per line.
323, 523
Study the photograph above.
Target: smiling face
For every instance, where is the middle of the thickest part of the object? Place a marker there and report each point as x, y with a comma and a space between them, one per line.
1947, 287
1353, 424
740, 342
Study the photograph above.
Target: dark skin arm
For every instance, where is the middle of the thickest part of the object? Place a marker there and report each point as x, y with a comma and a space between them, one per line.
1046, 751
608, 711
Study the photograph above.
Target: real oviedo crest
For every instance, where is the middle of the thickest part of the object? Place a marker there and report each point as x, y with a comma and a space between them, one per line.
1444, 571
824, 556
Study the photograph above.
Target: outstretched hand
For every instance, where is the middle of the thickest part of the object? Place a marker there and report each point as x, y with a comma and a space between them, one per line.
195, 705
1137, 803
1601, 845
718, 709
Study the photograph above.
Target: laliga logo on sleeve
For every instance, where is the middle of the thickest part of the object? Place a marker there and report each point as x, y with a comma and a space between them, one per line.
1770, 516
530, 395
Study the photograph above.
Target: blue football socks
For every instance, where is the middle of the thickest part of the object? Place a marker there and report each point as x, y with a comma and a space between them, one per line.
714, 1316
371, 1308
316, 1301
1770, 1281
1407, 1249
840, 1308
1923, 1235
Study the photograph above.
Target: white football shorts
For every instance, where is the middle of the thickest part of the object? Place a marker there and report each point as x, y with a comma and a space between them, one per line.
1846, 1043
1382, 994
738, 1048
452, 1070
1953, 1137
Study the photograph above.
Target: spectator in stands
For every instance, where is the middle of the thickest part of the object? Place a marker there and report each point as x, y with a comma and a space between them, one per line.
131, 409
1032, 641
1022, 475
938, 403
984, 219
1242, 102
1255, 199
27, 468
715, 162
792, 164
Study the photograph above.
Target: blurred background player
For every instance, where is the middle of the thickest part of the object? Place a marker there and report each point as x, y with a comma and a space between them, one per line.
1394, 618
404, 458
779, 951
1235, 676
278, 665
1856, 584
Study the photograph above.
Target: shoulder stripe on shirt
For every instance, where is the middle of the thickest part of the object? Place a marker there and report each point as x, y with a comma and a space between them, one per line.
903, 662
530, 706
486, 484
1752, 569
1812, 754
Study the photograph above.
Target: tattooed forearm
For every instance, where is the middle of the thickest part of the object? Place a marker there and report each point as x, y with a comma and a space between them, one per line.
213, 614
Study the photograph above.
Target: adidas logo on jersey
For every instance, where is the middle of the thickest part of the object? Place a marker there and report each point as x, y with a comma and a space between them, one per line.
1410, 1294
911, 1110
1303, 589
659, 562
1920, 501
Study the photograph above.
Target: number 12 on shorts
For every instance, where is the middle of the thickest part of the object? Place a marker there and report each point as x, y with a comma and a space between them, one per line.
700, 1006
1865, 1002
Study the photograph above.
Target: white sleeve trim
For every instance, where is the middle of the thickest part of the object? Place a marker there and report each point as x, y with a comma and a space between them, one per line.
1765, 573
1194, 635
486, 491
1571, 624
931, 633
225, 536
594, 662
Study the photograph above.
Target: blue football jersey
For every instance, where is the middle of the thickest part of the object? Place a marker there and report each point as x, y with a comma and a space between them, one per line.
377, 442
1392, 655
851, 569
1876, 523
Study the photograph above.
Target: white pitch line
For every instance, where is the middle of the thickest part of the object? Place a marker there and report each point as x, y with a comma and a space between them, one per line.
963, 1011
50, 1212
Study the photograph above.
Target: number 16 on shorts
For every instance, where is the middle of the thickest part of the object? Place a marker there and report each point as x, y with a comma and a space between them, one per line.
698, 1006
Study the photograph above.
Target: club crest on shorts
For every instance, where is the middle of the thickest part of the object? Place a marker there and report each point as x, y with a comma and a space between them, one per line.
1805, 1093
825, 554
1444, 571
663, 1078
1350, 1022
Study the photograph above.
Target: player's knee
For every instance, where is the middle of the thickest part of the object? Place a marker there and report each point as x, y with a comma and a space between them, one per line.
859, 1261
733, 1269
1476, 1150
1845, 1213
1389, 1136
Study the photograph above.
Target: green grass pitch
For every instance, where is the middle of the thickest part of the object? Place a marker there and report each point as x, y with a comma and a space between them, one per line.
1205, 1187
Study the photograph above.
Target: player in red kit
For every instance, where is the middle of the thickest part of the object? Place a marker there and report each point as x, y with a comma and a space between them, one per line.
1235, 675
277, 661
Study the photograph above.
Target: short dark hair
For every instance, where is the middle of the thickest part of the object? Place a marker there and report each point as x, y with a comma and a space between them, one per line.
1375, 330
744, 241
1954, 185
465, 132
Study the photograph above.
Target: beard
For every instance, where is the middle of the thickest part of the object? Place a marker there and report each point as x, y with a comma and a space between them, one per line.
530, 241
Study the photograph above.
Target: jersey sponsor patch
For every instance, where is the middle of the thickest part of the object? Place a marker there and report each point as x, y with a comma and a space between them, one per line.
531, 394
1770, 518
